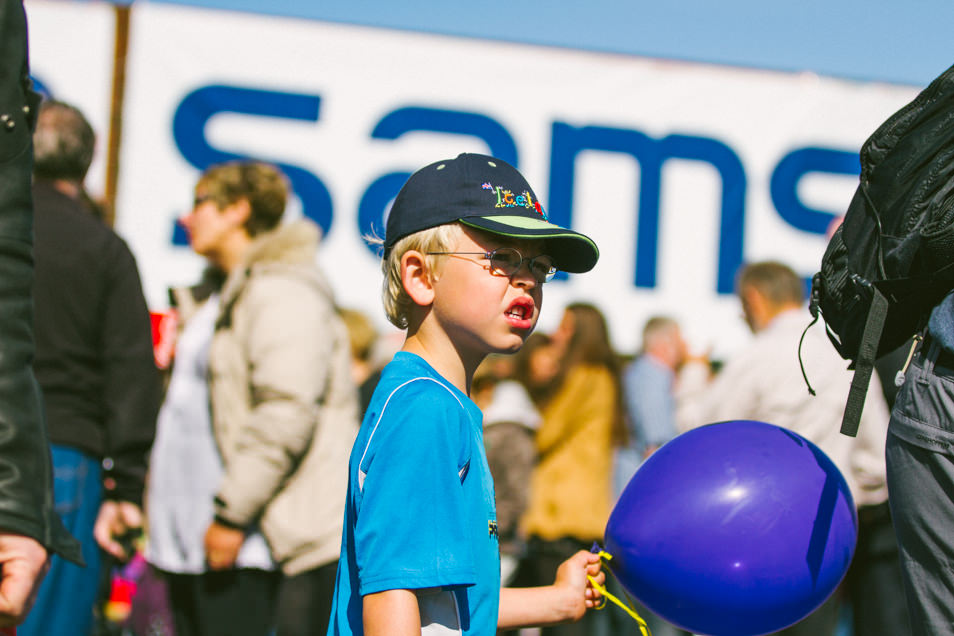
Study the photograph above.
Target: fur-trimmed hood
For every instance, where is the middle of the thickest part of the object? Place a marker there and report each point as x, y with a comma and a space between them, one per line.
293, 242
289, 249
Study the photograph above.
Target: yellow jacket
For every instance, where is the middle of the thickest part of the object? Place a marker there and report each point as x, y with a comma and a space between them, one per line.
570, 486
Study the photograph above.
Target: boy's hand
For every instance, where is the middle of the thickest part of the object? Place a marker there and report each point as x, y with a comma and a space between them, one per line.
572, 580
566, 600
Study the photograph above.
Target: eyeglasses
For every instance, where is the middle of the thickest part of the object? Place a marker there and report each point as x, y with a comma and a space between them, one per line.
507, 261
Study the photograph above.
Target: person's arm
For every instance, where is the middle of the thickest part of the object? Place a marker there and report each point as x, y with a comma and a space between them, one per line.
732, 393
290, 353
566, 600
391, 613
131, 381
692, 384
130, 402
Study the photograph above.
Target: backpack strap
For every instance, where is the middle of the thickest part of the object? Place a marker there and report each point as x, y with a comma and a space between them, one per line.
864, 363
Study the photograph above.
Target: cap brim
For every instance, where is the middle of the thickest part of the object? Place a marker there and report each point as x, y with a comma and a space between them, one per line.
573, 252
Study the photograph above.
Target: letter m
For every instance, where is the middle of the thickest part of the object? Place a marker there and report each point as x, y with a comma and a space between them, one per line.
651, 154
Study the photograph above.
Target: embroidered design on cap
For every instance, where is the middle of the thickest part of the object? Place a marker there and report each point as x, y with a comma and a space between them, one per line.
507, 199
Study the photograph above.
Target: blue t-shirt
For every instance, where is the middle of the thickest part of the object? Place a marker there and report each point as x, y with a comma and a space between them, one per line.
420, 512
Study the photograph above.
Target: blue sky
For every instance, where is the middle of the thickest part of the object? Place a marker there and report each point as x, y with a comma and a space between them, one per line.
882, 40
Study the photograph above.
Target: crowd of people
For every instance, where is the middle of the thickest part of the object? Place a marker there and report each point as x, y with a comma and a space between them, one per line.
568, 420
247, 455
234, 462
598, 415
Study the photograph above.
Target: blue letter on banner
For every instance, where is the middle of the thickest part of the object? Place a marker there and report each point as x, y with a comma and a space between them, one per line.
790, 171
202, 104
651, 154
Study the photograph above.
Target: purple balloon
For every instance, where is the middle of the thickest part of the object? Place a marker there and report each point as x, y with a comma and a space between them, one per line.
733, 529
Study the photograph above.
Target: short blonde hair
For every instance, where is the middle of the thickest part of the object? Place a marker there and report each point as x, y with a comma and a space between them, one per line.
397, 302
361, 333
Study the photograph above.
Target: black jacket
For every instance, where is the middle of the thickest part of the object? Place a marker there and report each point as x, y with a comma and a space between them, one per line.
94, 358
26, 492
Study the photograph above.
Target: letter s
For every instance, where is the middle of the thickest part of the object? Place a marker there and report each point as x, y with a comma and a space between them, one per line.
202, 104
789, 172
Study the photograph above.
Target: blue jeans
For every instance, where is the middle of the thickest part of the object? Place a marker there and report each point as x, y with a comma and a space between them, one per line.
64, 604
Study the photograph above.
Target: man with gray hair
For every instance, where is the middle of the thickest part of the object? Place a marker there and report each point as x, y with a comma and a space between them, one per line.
648, 396
95, 364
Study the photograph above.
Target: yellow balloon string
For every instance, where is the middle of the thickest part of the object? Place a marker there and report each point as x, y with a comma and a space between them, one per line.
627, 607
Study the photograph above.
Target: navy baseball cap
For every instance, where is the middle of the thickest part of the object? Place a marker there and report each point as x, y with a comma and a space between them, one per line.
488, 194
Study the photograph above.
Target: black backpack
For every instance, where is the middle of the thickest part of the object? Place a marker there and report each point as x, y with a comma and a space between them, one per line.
892, 258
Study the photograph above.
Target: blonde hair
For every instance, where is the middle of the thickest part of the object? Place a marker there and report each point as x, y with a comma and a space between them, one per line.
397, 302
361, 333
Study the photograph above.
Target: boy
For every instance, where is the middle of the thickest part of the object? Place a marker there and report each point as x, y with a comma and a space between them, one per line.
419, 552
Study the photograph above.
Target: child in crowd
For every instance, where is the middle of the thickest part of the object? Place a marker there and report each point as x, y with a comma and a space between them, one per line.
420, 551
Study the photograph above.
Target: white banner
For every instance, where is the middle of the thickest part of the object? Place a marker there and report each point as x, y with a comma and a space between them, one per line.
680, 172
71, 59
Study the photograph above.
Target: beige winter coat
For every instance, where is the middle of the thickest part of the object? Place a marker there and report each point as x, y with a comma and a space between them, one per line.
284, 406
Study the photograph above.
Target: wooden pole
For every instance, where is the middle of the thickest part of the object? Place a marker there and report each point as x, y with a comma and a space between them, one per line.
120, 48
